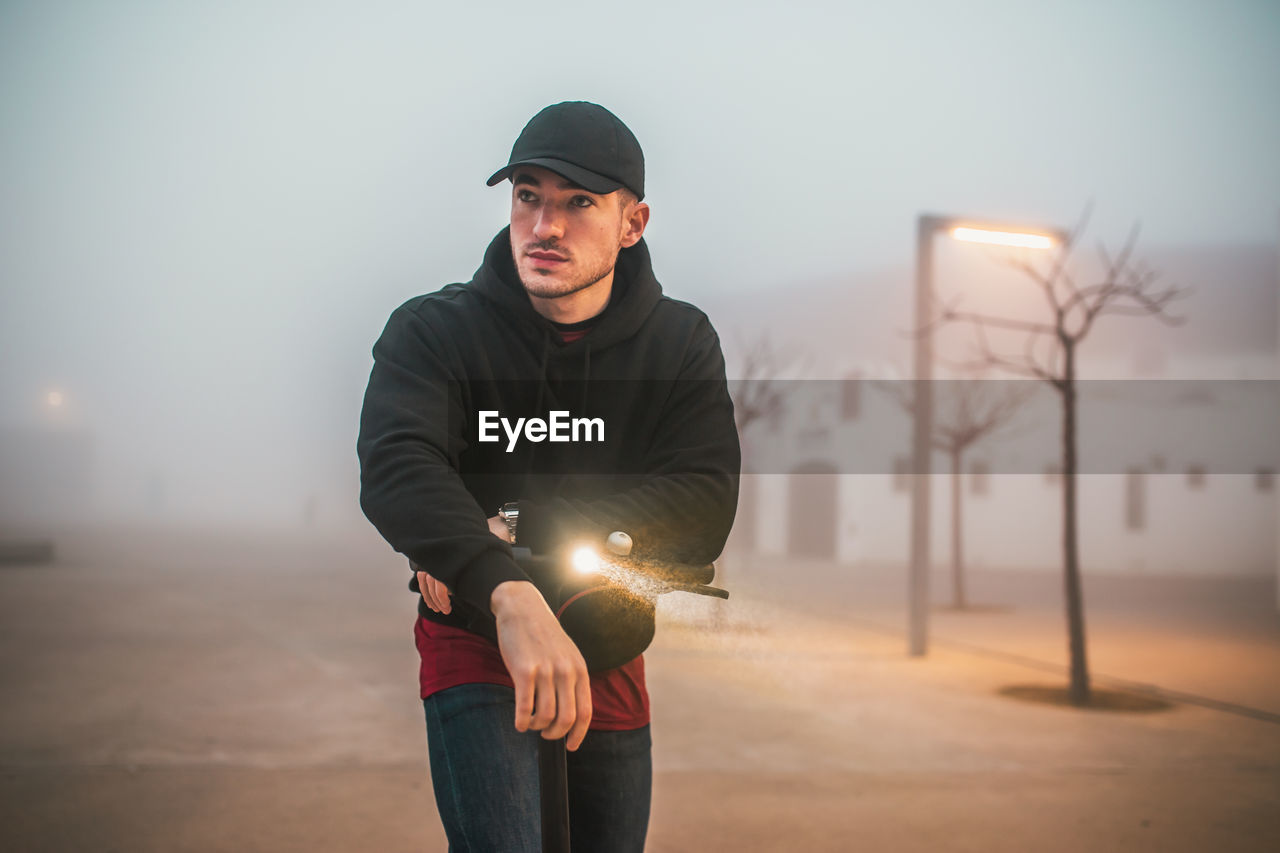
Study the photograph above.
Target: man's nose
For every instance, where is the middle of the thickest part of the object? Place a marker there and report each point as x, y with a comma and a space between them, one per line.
549, 224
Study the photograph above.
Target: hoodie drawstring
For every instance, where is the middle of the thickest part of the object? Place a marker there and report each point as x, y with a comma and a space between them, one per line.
542, 386
586, 378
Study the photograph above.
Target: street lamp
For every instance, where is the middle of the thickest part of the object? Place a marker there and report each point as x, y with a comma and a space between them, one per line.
970, 230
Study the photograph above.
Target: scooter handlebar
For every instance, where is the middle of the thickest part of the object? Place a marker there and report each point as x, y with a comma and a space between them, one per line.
660, 575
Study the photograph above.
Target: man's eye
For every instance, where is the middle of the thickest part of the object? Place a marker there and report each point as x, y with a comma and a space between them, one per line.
524, 195
582, 201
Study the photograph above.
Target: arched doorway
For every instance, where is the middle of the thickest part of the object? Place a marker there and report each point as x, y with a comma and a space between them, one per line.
744, 524
811, 500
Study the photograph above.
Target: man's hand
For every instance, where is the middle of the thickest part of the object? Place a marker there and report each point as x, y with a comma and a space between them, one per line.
553, 690
434, 593
498, 528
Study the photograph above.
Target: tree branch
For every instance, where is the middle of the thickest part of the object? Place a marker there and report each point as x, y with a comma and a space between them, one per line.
1000, 322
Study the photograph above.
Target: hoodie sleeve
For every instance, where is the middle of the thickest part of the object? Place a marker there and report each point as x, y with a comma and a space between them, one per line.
409, 483
683, 506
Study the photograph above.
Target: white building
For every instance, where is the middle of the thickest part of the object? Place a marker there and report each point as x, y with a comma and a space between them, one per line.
1178, 477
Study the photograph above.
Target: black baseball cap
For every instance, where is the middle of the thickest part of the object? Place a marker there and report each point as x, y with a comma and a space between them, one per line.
585, 143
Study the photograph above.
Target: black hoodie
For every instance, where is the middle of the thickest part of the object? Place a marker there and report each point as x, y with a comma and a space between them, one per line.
650, 367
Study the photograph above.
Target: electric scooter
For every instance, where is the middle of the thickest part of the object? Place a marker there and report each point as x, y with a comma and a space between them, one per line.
606, 603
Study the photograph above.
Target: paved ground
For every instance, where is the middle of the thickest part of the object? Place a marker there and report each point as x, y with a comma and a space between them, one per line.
1216, 638
202, 692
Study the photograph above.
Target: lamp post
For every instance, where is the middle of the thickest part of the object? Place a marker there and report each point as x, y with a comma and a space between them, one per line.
970, 230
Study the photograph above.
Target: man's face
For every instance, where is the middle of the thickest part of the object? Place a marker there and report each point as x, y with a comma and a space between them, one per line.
564, 238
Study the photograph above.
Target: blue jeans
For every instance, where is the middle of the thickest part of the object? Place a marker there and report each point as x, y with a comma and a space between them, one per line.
485, 776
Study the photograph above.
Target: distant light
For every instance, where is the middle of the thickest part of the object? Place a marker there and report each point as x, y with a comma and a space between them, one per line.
586, 561
1003, 238
54, 399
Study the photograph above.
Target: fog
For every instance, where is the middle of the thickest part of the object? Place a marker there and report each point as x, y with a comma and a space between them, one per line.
209, 211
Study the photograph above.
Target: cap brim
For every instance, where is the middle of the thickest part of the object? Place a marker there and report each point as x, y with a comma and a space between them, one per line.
588, 180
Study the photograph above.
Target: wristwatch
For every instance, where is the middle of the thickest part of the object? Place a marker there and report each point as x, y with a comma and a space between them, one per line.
510, 513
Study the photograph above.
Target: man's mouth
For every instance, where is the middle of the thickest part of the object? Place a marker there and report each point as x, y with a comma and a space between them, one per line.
547, 258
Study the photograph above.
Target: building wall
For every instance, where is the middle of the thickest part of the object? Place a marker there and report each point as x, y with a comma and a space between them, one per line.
1173, 523
1225, 528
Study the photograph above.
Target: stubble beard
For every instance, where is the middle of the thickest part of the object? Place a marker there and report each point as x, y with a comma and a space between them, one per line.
545, 285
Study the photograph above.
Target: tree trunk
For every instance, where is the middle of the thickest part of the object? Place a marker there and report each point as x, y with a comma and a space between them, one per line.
957, 531
1079, 689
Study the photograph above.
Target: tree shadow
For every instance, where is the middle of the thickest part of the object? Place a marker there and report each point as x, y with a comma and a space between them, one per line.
973, 608
1100, 699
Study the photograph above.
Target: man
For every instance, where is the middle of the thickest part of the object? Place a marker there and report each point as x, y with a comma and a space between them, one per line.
564, 315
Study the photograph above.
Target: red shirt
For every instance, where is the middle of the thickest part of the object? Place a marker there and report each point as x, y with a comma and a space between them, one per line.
452, 656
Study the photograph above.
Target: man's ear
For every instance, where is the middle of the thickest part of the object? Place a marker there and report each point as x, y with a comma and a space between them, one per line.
634, 223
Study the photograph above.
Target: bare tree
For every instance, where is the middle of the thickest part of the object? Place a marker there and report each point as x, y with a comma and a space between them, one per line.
1126, 288
758, 393
969, 411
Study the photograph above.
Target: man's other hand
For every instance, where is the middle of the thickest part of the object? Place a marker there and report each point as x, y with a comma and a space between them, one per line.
434, 593
498, 528
553, 690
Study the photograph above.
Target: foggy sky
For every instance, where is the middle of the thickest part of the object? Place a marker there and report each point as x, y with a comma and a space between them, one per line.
207, 211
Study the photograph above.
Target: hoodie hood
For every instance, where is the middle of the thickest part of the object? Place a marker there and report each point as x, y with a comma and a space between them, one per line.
635, 294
